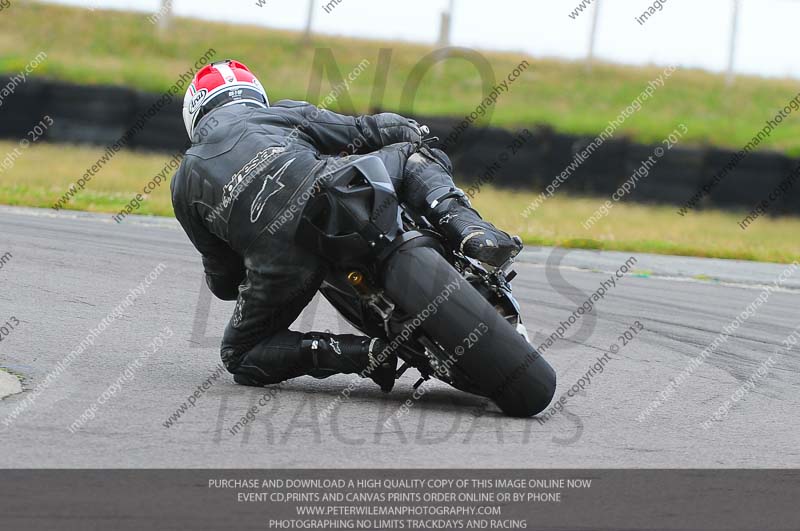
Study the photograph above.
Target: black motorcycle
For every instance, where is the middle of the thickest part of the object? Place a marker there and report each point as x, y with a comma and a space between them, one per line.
444, 314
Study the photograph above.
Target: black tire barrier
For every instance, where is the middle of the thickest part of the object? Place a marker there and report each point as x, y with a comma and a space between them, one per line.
102, 115
23, 109
163, 129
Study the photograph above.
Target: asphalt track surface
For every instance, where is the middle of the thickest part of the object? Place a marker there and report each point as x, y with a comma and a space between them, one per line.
67, 272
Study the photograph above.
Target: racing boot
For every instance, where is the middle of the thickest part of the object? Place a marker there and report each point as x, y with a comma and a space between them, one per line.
291, 354
464, 228
349, 354
429, 188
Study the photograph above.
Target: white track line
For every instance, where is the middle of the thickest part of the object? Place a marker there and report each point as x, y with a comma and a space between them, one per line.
9, 385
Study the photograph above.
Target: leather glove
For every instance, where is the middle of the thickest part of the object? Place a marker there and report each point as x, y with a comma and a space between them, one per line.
395, 128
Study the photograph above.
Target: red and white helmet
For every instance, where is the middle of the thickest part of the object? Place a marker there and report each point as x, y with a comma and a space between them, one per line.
217, 85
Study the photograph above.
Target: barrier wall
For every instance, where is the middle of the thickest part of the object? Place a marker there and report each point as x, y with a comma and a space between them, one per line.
102, 115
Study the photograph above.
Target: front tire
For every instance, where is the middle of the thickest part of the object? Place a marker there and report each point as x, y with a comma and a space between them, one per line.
494, 356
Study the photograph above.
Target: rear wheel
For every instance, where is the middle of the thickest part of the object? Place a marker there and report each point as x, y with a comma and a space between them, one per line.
482, 344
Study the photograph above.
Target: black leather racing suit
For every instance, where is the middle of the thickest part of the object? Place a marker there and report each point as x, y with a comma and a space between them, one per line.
246, 166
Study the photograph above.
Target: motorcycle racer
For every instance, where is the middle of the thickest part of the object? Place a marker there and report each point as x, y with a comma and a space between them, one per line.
248, 162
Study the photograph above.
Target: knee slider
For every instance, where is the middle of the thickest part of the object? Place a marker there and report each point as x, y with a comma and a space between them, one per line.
230, 359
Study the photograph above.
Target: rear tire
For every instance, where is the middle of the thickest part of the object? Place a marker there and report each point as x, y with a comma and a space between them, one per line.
503, 365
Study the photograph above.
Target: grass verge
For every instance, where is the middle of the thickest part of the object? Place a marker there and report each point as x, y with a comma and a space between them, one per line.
113, 47
45, 171
643, 228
